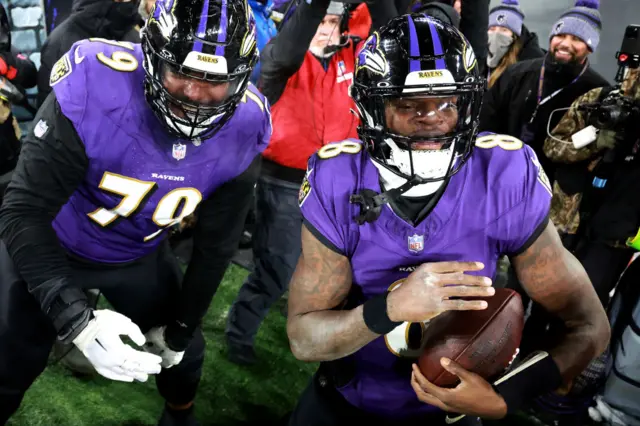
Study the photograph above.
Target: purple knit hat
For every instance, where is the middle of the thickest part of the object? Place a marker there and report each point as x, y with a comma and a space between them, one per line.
582, 21
507, 15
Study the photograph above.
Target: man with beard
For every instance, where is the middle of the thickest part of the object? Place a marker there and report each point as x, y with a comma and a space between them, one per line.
110, 19
522, 101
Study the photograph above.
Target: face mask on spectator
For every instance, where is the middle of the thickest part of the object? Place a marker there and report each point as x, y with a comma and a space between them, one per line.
499, 44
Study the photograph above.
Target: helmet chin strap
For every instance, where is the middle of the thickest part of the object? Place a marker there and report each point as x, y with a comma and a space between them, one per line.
371, 202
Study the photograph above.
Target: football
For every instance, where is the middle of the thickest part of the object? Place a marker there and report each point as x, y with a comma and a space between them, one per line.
484, 342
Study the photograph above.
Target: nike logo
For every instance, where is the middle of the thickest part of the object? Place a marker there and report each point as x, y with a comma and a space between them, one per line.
451, 420
76, 57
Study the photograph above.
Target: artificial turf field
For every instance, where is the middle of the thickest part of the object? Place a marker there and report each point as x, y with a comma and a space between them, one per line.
228, 394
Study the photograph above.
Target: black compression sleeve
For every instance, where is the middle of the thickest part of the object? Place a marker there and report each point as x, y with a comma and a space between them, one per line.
217, 234
283, 55
51, 166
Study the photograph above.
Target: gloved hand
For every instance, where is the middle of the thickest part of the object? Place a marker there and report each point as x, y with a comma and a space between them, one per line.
157, 345
8, 66
100, 342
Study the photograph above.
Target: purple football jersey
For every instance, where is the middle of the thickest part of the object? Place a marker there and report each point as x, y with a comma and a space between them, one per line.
493, 206
140, 180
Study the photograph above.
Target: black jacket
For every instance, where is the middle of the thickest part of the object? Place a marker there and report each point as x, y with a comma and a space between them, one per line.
530, 45
89, 18
511, 102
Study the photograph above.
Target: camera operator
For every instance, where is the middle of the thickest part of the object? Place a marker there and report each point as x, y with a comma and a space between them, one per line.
596, 207
16, 73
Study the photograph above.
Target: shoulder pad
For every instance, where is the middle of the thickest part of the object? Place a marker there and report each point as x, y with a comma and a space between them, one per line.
335, 149
96, 71
508, 161
115, 55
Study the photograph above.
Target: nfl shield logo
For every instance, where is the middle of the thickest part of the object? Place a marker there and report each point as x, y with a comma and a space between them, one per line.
416, 243
179, 151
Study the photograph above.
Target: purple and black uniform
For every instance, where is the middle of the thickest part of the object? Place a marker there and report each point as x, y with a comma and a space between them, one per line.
497, 204
140, 180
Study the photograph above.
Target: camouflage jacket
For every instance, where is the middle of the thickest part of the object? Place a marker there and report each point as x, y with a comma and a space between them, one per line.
559, 149
565, 208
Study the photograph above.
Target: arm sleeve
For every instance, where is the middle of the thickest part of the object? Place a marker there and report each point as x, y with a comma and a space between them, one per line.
283, 55
524, 223
26, 76
221, 219
220, 223
52, 165
573, 121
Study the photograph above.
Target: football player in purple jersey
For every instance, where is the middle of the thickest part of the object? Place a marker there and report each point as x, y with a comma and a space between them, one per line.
132, 139
401, 224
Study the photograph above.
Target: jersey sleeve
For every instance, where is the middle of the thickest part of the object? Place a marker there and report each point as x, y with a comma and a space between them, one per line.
317, 200
68, 80
526, 220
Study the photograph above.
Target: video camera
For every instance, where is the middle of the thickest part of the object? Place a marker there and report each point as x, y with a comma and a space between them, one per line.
629, 54
615, 112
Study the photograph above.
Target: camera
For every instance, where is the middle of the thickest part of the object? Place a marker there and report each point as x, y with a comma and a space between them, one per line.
615, 113
629, 54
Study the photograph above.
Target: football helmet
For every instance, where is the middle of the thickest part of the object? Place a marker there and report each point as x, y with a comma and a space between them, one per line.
417, 56
207, 40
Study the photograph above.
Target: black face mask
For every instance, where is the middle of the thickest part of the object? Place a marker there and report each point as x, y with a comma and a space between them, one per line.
122, 17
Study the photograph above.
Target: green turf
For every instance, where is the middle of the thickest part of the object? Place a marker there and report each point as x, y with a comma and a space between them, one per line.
228, 394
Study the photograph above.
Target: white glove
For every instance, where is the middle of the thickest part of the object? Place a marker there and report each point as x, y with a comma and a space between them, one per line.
157, 345
100, 342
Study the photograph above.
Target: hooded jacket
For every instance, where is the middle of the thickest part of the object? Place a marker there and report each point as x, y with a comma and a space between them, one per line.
88, 18
530, 45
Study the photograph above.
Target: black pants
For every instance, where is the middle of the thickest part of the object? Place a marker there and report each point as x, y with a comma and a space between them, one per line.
276, 250
322, 405
141, 290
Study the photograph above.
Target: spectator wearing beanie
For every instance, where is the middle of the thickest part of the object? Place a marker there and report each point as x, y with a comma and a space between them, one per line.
509, 40
522, 101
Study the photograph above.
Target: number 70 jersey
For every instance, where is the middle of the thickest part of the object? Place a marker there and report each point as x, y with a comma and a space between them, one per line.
140, 180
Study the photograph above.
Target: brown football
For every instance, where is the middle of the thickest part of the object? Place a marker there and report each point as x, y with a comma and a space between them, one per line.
484, 342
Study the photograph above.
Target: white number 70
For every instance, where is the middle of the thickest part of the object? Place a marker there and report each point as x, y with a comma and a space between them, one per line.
135, 192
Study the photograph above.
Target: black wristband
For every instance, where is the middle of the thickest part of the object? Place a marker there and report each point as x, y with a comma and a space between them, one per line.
375, 315
521, 386
67, 305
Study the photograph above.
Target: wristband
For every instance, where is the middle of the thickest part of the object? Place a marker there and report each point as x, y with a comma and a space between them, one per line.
534, 376
375, 315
